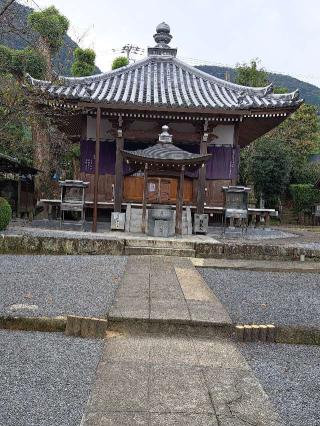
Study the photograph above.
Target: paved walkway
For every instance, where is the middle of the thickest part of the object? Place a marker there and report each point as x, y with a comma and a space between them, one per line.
180, 379
166, 289
176, 377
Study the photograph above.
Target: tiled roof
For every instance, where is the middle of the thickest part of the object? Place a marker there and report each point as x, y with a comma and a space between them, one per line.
163, 155
162, 80
166, 152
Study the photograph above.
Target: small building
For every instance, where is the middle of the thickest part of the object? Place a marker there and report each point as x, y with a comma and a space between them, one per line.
17, 185
124, 110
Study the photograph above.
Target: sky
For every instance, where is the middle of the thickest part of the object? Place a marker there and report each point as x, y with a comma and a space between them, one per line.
283, 34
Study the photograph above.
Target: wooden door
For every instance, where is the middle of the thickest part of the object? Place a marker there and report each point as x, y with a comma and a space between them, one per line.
153, 190
165, 186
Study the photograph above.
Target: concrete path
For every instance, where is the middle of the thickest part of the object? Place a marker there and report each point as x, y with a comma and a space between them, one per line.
166, 289
177, 379
179, 376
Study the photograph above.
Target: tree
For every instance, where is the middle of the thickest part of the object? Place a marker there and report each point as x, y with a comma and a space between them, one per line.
84, 62
120, 61
20, 62
301, 132
269, 167
250, 75
52, 28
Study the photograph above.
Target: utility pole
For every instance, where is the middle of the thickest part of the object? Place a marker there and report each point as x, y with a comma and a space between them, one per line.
129, 50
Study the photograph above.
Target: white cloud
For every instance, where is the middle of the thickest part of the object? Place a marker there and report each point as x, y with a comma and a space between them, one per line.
283, 34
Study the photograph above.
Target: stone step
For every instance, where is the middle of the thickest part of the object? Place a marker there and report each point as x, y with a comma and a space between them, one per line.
160, 243
159, 251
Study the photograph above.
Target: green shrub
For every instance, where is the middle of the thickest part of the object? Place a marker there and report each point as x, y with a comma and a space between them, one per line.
83, 64
120, 61
304, 197
5, 213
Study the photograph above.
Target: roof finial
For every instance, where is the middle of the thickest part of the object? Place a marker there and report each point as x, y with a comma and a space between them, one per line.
162, 38
165, 136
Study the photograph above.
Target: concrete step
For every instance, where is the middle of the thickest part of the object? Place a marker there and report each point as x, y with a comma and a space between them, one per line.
160, 243
159, 251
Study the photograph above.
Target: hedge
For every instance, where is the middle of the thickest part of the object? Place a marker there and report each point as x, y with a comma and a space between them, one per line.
304, 197
5, 213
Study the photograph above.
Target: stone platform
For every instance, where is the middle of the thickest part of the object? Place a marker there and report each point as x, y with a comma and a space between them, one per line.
287, 246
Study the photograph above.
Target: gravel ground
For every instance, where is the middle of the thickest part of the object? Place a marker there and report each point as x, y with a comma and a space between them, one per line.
290, 375
45, 378
58, 285
267, 297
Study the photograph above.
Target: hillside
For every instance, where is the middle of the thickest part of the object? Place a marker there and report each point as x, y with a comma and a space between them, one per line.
309, 92
14, 33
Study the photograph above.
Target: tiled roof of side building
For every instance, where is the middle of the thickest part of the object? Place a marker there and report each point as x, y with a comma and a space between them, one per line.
163, 80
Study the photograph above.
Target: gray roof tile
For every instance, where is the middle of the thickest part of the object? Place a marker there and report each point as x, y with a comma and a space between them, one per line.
166, 81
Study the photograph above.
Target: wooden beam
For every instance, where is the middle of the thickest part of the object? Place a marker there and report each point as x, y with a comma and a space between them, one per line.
152, 135
164, 109
96, 173
118, 188
202, 171
179, 205
145, 198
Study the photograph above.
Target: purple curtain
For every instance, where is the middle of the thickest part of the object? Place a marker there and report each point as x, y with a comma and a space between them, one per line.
88, 157
223, 164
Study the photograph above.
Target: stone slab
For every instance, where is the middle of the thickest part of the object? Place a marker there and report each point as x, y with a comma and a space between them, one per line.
162, 251
130, 307
208, 312
178, 389
238, 397
169, 309
116, 419
120, 386
193, 285
175, 419
166, 379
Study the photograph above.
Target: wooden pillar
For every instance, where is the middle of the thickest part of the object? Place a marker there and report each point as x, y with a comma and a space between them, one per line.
179, 205
202, 171
235, 146
145, 198
96, 173
19, 198
118, 188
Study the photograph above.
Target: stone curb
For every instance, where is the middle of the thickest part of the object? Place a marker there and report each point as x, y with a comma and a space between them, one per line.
258, 265
86, 327
25, 244
50, 324
269, 333
97, 327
